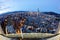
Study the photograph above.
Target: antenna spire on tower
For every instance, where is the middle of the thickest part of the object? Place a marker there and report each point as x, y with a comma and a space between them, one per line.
37, 11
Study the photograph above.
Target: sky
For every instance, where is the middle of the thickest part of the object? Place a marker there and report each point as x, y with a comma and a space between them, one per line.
30, 5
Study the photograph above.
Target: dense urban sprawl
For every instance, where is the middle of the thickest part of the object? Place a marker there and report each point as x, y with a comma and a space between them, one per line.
29, 22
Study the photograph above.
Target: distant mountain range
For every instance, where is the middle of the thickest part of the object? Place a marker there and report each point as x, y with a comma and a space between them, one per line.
52, 13
49, 13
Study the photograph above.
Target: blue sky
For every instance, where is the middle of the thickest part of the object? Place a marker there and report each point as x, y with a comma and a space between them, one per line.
30, 5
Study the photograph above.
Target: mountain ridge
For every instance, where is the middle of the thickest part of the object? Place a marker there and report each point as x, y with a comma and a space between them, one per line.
49, 13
